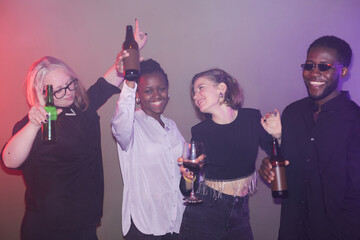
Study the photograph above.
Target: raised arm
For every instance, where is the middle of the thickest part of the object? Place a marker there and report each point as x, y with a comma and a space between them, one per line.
114, 75
122, 123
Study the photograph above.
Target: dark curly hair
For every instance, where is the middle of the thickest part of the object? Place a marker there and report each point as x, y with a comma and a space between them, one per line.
151, 66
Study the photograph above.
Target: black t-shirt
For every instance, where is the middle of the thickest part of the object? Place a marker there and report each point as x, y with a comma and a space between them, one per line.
64, 180
231, 149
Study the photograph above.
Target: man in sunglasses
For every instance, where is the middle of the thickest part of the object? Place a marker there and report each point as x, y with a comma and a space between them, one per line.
321, 140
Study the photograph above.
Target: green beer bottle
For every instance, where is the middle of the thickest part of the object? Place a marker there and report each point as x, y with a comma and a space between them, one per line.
49, 128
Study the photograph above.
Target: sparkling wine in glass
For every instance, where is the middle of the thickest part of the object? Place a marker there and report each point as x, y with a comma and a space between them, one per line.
191, 151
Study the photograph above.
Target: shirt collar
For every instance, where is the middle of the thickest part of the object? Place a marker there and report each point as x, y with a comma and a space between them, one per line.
337, 102
331, 105
69, 111
149, 118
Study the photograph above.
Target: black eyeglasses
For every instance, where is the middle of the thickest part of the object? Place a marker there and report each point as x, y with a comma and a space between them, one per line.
61, 92
322, 66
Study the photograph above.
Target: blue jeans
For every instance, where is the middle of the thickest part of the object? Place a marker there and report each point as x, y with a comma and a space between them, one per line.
226, 217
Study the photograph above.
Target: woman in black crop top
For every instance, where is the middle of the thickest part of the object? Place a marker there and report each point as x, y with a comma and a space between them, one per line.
231, 137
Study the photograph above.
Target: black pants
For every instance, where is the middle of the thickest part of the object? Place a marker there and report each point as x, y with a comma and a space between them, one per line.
32, 228
135, 234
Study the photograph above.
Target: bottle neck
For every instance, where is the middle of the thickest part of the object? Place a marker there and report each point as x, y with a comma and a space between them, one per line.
129, 33
274, 147
49, 101
276, 150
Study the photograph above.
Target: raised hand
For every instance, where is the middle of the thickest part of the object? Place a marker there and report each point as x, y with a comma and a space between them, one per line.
140, 37
119, 63
271, 122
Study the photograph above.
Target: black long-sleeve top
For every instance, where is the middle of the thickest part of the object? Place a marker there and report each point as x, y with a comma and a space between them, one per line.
64, 180
324, 171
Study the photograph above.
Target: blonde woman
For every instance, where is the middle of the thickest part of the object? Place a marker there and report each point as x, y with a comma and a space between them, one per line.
64, 180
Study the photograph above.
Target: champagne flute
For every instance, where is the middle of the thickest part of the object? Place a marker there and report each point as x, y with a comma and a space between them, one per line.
191, 151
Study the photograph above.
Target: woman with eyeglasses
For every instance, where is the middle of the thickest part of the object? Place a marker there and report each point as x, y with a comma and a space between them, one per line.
64, 180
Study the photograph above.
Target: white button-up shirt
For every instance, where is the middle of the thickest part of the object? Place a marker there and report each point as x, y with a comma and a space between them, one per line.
148, 156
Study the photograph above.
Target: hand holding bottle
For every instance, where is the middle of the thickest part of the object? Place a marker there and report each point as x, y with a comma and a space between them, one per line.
265, 170
37, 114
131, 47
119, 64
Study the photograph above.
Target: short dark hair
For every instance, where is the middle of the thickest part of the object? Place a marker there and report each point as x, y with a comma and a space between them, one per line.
151, 66
342, 48
233, 97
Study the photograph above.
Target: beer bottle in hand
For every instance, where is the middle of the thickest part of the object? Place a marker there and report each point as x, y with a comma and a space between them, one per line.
278, 185
48, 128
132, 62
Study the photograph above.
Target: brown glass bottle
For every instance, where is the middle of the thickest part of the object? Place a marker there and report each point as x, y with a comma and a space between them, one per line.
132, 62
49, 127
278, 185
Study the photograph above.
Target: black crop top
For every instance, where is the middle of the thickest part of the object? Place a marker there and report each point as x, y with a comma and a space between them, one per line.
231, 149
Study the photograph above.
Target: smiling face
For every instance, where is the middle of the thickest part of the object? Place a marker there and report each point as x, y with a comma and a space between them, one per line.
59, 79
207, 95
323, 85
153, 92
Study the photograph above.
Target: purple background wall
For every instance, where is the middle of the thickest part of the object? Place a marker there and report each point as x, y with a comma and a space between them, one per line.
262, 43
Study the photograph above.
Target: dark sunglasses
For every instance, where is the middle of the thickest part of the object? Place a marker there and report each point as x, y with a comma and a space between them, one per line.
322, 66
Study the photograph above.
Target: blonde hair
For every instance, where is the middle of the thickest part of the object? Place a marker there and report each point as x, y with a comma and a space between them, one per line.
35, 81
